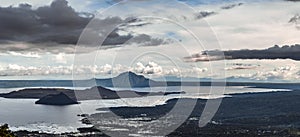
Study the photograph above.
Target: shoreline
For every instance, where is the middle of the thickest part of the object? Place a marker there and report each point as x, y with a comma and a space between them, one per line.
256, 115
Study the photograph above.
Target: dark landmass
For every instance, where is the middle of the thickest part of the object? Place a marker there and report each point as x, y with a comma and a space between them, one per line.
83, 132
37, 93
259, 114
233, 109
56, 99
274, 114
251, 114
78, 95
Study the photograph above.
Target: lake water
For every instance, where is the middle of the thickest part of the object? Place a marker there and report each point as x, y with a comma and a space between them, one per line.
24, 114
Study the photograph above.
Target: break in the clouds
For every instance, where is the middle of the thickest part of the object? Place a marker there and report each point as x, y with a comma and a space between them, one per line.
275, 52
59, 25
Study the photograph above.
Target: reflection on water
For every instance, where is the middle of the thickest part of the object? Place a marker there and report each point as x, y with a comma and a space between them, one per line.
25, 114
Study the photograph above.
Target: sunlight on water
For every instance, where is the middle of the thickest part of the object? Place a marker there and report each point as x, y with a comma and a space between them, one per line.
24, 114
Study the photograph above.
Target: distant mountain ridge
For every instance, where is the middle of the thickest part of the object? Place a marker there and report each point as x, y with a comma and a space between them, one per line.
126, 80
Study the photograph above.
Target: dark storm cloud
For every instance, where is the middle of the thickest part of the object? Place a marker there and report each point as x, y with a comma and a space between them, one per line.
57, 24
295, 21
146, 40
203, 14
275, 52
231, 6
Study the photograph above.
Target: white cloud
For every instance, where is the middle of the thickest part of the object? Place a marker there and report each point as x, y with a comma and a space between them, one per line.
265, 70
139, 67
279, 73
173, 71
153, 68
61, 58
21, 70
149, 68
198, 70
105, 69
26, 54
268, 70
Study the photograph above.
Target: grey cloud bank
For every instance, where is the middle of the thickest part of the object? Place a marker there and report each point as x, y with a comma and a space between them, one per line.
275, 52
59, 26
55, 23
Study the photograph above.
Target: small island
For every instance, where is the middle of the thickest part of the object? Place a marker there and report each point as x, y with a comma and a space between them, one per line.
61, 96
56, 99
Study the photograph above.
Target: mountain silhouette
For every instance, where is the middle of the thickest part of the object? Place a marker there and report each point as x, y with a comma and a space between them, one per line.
56, 99
126, 80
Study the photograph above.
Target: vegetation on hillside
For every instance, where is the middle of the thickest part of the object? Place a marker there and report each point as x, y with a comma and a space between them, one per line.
5, 132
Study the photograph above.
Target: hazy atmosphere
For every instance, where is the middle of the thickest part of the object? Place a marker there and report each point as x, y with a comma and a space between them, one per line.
149, 68
39, 40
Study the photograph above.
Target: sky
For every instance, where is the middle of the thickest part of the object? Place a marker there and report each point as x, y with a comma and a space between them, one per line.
57, 39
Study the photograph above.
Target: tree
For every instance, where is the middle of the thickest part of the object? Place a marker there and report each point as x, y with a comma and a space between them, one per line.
5, 132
